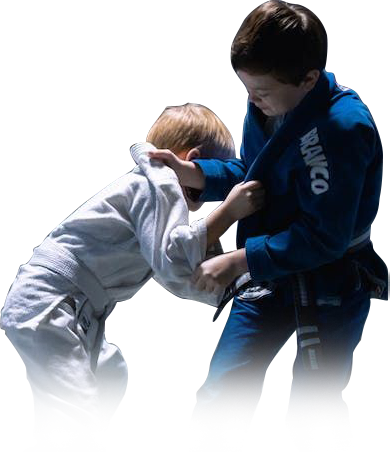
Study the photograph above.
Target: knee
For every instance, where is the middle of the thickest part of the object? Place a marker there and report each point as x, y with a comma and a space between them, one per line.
111, 370
8, 324
6, 320
214, 394
231, 392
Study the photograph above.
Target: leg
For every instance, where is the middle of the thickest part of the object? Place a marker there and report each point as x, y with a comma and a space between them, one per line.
254, 333
111, 376
58, 366
316, 397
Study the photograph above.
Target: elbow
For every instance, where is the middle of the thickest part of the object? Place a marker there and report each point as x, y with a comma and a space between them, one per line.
334, 250
328, 251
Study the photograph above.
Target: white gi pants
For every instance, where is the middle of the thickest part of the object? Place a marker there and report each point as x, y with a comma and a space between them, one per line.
76, 376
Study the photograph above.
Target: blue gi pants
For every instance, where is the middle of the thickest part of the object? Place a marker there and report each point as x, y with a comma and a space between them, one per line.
253, 335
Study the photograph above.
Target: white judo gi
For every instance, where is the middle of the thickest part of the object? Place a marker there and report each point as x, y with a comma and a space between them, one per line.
103, 253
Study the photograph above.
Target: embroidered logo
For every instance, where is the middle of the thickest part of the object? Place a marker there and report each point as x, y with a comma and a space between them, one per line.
314, 158
342, 88
253, 293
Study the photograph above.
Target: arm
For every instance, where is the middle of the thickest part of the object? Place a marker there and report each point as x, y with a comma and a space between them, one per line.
328, 217
172, 248
220, 177
191, 175
214, 177
217, 223
239, 262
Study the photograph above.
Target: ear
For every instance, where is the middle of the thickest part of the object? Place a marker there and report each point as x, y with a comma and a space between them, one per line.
310, 79
192, 154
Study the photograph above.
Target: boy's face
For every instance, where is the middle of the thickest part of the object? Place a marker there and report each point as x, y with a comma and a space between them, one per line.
275, 98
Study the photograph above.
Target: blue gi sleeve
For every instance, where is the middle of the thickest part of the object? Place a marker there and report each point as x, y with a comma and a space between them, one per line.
329, 189
220, 177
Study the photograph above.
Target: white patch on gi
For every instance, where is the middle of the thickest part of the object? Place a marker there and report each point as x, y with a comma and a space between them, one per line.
314, 157
253, 293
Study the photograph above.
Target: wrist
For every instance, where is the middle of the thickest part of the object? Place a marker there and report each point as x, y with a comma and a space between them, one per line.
239, 262
217, 223
227, 214
190, 175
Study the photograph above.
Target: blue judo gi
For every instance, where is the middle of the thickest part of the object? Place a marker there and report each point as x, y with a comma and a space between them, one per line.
322, 172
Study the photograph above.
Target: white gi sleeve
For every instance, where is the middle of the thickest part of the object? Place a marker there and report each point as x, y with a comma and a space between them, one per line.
171, 246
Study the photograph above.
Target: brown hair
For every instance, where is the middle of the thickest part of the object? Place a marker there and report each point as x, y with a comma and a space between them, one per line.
183, 127
282, 39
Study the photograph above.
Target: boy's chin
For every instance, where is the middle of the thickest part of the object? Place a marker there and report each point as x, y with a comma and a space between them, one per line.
190, 195
194, 206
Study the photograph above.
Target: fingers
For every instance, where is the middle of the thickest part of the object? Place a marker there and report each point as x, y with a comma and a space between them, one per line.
195, 276
255, 200
251, 188
252, 184
258, 203
204, 282
154, 153
197, 281
210, 286
255, 191
158, 154
258, 194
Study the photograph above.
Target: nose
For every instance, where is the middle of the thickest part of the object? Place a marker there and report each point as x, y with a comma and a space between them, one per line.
255, 99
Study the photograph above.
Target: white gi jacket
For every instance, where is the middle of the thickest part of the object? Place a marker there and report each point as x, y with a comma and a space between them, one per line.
134, 229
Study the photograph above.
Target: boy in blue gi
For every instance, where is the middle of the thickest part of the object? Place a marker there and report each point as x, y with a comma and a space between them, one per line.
314, 146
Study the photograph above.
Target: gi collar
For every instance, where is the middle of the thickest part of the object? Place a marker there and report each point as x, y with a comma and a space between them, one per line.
315, 104
318, 99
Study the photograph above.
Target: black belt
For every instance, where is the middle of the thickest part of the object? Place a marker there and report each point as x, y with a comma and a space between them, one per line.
308, 337
305, 313
305, 309
241, 283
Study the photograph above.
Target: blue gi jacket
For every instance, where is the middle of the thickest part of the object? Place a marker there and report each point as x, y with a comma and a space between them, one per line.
322, 173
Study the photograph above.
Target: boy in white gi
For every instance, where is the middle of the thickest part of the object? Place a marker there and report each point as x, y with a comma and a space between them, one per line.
104, 252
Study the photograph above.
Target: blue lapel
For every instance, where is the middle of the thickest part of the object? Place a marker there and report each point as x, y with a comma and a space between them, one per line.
295, 123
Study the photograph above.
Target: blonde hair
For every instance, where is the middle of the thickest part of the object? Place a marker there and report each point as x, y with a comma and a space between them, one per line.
183, 127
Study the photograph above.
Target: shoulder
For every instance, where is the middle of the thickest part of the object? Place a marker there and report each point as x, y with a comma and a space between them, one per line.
139, 182
348, 126
348, 115
344, 133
